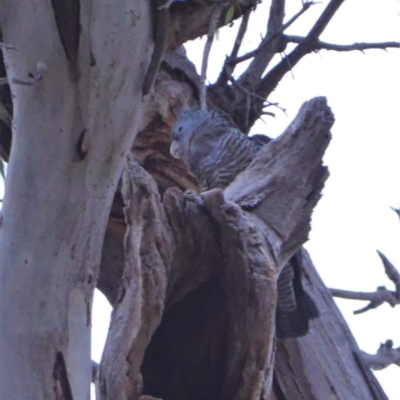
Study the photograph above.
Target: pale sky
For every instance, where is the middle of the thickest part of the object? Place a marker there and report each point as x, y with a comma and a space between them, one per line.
353, 218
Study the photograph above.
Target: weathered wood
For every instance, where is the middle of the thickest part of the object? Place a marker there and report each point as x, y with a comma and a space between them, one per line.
191, 337
288, 170
217, 277
327, 362
249, 282
385, 356
140, 305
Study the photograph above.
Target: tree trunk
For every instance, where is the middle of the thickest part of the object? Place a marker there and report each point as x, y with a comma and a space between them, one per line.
193, 283
199, 324
71, 134
326, 363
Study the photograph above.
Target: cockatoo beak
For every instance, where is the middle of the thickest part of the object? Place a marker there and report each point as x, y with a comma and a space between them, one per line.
174, 149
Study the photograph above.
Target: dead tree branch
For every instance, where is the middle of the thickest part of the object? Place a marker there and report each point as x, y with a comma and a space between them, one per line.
381, 295
215, 16
227, 69
268, 39
190, 19
392, 273
377, 298
208, 268
385, 356
320, 45
271, 79
273, 43
396, 210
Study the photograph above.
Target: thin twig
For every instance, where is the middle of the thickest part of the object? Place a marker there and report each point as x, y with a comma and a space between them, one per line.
286, 58
269, 104
227, 69
241, 32
396, 210
391, 272
216, 14
243, 89
268, 39
377, 298
319, 45
250, 94
271, 79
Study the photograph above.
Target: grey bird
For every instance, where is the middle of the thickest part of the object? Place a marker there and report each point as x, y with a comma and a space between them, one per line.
215, 152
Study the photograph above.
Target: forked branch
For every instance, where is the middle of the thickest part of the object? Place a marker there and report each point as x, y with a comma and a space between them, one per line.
385, 356
381, 295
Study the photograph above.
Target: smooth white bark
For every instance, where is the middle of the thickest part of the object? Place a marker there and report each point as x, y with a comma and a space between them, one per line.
56, 204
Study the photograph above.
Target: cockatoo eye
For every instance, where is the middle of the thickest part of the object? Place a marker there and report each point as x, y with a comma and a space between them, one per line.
180, 129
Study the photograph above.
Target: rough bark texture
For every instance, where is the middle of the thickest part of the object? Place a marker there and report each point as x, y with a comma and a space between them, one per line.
187, 356
193, 282
326, 363
208, 268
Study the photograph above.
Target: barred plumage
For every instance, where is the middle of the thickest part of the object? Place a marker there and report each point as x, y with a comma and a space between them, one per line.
213, 149
215, 152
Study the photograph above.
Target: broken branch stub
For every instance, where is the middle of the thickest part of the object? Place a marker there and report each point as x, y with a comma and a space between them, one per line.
381, 295
140, 305
249, 282
385, 356
284, 183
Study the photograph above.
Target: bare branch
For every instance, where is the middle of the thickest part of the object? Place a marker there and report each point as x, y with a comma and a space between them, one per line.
377, 298
210, 37
381, 295
227, 69
241, 32
267, 49
272, 78
271, 44
324, 19
319, 45
269, 38
385, 356
190, 19
392, 273
396, 210
390, 269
